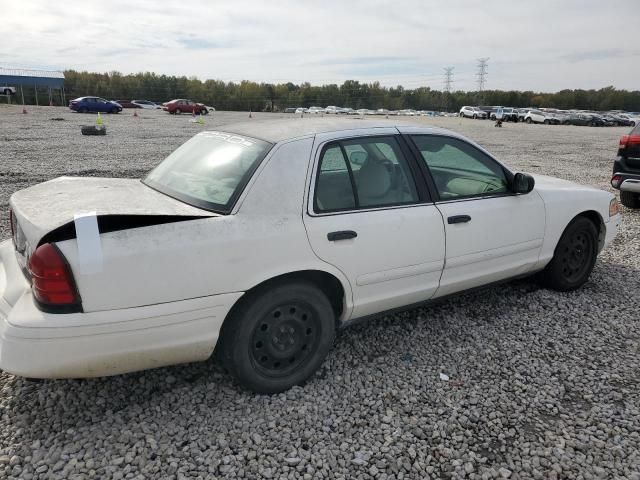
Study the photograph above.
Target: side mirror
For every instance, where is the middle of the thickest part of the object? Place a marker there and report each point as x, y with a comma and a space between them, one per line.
522, 183
358, 158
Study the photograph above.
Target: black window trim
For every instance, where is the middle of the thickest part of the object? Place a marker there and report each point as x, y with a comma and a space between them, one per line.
424, 194
426, 172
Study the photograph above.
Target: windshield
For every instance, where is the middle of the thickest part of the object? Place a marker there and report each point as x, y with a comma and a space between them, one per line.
210, 170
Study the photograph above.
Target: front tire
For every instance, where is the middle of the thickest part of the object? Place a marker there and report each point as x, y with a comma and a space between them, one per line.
177, 111
528, 120
574, 257
278, 336
630, 199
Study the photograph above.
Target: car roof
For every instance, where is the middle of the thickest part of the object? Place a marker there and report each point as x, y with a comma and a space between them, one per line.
279, 130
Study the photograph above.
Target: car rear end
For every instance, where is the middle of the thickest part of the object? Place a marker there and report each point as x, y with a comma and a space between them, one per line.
59, 315
626, 168
75, 104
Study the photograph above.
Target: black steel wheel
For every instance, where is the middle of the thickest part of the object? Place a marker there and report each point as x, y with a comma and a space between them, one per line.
277, 336
574, 256
285, 338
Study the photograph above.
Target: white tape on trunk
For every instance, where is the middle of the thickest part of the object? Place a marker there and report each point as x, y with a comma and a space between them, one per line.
89, 245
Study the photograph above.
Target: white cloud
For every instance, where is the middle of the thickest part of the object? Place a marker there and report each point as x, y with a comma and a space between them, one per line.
543, 45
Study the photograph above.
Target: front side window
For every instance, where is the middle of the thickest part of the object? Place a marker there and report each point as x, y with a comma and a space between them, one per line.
363, 173
460, 170
210, 170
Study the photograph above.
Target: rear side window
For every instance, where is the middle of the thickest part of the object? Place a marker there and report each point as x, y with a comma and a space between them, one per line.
363, 173
210, 170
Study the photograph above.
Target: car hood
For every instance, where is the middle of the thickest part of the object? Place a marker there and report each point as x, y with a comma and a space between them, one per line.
545, 184
48, 206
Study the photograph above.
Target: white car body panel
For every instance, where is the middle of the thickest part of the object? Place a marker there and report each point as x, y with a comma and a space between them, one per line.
163, 291
398, 256
559, 211
66, 196
502, 240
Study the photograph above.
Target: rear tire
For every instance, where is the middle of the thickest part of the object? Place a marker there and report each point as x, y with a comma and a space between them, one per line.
204, 111
574, 257
630, 199
475, 116
528, 120
278, 336
546, 122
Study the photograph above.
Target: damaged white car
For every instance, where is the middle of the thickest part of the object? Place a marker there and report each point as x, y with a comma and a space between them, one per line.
260, 240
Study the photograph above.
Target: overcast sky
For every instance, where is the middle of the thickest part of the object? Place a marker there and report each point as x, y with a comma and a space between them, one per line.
542, 45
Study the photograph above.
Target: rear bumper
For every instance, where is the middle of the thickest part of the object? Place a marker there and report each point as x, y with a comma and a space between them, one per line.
629, 173
42, 345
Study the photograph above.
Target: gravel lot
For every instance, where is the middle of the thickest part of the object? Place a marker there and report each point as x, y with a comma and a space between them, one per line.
541, 384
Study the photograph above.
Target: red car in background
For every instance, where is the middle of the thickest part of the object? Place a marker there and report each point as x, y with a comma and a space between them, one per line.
181, 105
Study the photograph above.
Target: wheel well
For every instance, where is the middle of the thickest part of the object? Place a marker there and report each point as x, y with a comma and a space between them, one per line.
329, 284
597, 221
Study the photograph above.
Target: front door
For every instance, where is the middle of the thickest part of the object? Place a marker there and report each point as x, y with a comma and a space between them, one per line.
367, 217
492, 234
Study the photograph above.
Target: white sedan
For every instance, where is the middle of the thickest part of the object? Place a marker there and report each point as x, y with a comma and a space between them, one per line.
260, 239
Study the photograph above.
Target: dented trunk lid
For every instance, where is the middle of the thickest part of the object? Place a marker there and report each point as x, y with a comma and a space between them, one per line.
51, 206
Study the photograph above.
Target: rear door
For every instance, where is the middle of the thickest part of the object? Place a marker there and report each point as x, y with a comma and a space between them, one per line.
491, 233
367, 216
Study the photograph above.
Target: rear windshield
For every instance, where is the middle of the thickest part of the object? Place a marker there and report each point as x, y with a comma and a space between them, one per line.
210, 170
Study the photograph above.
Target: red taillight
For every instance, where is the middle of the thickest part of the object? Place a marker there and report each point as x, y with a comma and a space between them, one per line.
615, 181
623, 141
53, 283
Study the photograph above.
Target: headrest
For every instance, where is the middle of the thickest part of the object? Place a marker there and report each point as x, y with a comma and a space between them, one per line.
374, 180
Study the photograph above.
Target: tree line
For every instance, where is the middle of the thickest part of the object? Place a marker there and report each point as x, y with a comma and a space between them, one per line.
245, 95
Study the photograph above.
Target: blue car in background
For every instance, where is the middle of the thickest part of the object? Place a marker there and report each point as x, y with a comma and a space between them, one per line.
94, 104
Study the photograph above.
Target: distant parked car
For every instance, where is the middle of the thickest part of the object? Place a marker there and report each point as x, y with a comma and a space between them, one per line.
290, 110
181, 105
94, 104
146, 104
300, 110
620, 121
127, 104
8, 90
315, 110
599, 121
508, 114
632, 119
332, 109
472, 112
538, 116
626, 169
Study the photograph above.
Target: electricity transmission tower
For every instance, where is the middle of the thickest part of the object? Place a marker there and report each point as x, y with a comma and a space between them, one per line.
448, 83
483, 71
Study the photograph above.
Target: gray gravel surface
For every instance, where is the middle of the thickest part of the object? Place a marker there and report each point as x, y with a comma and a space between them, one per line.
540, 385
